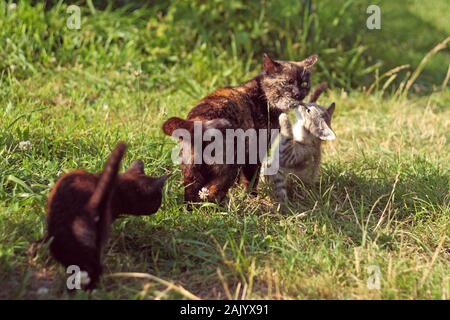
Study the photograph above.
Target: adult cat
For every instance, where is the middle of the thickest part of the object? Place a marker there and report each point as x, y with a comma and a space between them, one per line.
255, 104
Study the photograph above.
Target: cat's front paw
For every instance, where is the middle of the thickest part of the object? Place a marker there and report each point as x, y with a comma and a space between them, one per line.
285, 124
283, 118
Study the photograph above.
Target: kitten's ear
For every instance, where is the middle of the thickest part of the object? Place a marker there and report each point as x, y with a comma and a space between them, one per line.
327, 134
136, 166
159, 183
270, 66
309, 62
331, 108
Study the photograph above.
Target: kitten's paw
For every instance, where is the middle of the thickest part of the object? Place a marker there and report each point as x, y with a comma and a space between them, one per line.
283, 207
285, 124
283, 118
282, 196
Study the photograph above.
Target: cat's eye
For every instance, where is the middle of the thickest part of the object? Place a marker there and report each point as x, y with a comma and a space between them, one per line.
304, 84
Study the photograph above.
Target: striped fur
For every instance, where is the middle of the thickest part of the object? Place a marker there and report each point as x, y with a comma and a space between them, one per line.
299, 147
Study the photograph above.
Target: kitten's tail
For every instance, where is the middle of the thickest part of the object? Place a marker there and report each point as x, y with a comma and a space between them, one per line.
108, 177
175, 123
318, 91
98, 203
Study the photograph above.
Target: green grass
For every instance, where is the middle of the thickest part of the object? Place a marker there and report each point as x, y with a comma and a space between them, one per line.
383, 198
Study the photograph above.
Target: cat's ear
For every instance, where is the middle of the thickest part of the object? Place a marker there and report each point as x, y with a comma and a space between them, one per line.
331, 108
270, 66
159, 183
327, 133
309, 62
136, 166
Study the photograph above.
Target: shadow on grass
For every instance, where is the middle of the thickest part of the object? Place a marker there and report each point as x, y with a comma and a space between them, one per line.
360, 205
188, 248
204, 248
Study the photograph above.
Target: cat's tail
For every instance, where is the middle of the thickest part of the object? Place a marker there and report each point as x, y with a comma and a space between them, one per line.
175, 123
108, 177
318, 91
99, 201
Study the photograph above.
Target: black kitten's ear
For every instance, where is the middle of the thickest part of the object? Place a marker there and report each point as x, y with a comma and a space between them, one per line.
270, 66
331, 108
309, 62
136, 166
159, 183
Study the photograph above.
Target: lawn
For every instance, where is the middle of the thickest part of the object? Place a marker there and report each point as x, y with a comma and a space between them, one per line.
381, 210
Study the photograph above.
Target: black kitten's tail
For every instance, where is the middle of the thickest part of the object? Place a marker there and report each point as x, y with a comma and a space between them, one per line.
99, 201
108, 177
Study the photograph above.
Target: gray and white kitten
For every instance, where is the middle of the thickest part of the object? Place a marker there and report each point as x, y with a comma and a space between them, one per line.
299, 149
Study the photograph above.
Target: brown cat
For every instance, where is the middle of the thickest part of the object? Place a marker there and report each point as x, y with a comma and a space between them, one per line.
255, 104
82, 206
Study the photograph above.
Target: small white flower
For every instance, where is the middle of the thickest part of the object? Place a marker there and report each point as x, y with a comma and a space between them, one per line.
24, 145
137, 73
12, 6
42, 291
105, 107
203, 193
